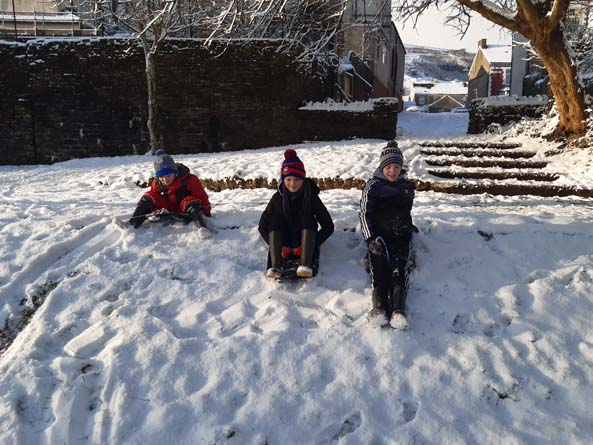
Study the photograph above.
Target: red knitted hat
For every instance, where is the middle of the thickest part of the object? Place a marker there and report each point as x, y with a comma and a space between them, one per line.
292, 166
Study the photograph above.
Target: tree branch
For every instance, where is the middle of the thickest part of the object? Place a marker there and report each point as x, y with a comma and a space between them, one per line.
167, 9
558, 12
493, 13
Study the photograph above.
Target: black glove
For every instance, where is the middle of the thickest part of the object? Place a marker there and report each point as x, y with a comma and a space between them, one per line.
376, 246
143, 209
194, 210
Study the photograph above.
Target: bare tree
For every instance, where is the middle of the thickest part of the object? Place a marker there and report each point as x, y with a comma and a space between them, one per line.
151, 21
541, 22
306, 28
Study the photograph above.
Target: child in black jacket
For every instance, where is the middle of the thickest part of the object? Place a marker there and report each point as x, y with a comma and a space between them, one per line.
290, 222
386, 220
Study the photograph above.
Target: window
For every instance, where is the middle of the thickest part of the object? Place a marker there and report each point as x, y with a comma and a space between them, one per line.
507, 77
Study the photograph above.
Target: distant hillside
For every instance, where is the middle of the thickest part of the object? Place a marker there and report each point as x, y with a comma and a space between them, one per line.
437, 64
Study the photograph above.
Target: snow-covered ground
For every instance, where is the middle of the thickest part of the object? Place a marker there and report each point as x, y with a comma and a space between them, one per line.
153, 336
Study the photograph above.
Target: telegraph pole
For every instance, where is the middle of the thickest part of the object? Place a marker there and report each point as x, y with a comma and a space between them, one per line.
14, 20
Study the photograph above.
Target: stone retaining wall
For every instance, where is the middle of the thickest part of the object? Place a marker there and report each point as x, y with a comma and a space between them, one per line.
71, 98
486, 111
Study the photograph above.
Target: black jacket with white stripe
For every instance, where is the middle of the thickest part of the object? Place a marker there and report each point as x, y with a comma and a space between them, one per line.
385, 208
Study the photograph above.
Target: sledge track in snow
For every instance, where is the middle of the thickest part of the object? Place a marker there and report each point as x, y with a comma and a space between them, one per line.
62, 255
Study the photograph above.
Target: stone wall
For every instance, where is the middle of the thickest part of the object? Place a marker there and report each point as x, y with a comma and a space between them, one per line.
64, 99
378, 121
501, 110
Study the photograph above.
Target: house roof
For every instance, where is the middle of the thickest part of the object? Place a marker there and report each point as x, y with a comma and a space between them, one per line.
445, 99
498, 54
54, 17
443, 88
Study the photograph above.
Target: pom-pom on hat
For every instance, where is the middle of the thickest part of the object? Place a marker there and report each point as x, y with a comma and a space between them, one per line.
391, 155
292, 166
164, 164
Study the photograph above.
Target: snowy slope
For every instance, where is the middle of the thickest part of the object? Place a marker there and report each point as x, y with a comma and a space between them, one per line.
152, 336
435, 64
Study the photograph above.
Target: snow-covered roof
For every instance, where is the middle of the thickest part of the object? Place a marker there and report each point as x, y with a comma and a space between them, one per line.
54, 17
355, 107
444, 88
498, 54
501, 101
444, 99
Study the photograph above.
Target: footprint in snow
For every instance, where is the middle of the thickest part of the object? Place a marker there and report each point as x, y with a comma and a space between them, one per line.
410, 409
460, 323
491, 330
333, 434
495, 329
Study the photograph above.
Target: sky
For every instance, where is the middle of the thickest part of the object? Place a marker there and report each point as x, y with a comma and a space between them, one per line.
432, 32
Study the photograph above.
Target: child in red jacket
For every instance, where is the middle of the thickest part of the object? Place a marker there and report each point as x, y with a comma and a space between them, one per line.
174, 189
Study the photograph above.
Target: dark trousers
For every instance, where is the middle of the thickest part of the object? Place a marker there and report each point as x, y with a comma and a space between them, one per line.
389, 274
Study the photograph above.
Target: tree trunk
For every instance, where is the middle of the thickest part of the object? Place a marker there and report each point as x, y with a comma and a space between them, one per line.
151, 83
541, 23
568, 94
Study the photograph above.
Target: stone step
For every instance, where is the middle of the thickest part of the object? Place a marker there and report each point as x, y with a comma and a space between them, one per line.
481, 153
461, 144
459, 188
502, 163
502, 175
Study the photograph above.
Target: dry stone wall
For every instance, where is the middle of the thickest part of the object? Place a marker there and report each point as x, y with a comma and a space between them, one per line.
483, 114
70, 98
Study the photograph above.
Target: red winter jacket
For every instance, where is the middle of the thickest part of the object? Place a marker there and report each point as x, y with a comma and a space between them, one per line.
186, 189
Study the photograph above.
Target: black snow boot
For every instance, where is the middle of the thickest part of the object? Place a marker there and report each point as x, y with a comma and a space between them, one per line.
378, 315
397, 293
305, 270
275, 241
143, 209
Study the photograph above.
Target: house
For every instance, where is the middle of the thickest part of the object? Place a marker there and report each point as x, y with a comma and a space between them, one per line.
490, 73
519, 63
438, 97
39, 18
444, 104
371, 52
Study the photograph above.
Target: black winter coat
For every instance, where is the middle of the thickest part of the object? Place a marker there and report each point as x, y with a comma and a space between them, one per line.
290, 213
385, 208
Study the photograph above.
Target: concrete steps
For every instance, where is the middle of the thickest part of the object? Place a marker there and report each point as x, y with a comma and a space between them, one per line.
471, 144
478, 153
478, 162
498, 168
486, 174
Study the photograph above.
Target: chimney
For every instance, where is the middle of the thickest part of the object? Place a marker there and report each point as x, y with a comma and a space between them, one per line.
482, 43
